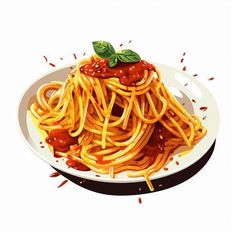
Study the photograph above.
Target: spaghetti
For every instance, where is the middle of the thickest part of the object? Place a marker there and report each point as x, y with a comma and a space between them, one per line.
111, 127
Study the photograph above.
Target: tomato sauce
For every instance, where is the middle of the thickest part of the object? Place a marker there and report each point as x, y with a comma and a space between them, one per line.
61, 140
128, 73
77, 165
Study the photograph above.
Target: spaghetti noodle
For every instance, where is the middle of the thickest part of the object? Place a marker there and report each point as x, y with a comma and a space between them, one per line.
111, 127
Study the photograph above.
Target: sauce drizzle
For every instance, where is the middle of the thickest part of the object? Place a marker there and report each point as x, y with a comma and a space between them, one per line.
77, 165
203, 108
45, 58
140, 200
54, 174
62, 183
212, 78
51, 64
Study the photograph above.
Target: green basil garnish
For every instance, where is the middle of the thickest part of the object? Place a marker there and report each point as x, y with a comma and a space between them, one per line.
112, 61
128, 56
105, 50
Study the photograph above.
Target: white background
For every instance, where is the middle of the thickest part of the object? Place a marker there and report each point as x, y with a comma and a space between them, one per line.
30, 202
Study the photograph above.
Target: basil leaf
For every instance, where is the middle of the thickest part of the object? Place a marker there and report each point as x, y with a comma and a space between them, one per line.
112, 61
103, 49
128, 56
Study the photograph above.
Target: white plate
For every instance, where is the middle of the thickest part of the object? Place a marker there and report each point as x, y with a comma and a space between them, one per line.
182, 85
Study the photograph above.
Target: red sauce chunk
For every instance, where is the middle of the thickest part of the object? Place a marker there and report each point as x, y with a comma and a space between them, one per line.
61, 140
128, 73
76, 165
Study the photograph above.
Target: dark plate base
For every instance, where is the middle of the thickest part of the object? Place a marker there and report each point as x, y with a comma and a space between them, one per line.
141, 187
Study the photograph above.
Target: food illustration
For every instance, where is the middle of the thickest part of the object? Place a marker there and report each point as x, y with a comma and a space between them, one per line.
113, 114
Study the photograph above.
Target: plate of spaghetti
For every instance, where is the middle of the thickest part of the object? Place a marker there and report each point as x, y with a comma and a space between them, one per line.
119, 117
